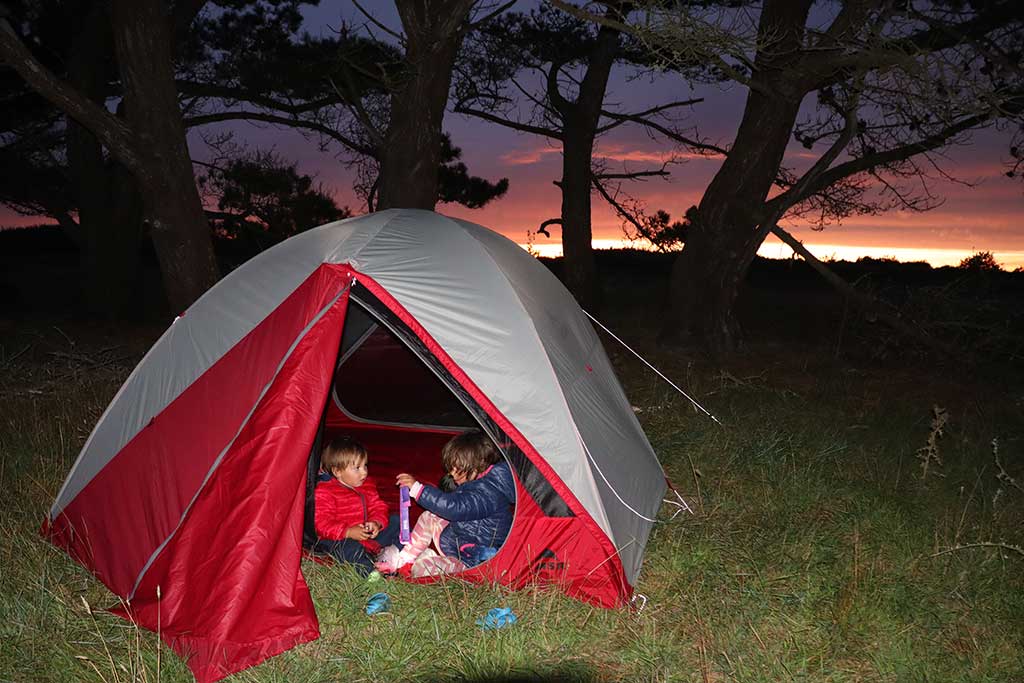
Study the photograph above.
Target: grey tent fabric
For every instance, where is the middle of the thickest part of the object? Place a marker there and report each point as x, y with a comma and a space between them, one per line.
501, 316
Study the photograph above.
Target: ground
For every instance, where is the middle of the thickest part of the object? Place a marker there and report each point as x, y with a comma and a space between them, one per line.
819, 548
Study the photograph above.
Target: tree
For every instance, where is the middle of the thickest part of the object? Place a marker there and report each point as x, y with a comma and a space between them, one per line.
262, 200
410, 153
980, 262
894, 83
149, 141
241, 60
410, 162
559, 66
54, 166
382, 102
455, 185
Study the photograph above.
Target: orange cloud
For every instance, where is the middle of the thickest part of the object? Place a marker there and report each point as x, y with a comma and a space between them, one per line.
523, 157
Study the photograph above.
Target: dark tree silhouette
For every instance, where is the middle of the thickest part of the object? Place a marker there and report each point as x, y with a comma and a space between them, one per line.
239, 61
455, 185
556, 67
376, 100
262, 200
894, 83
411, 151
54, 166
980, 262
149, 141
410, 162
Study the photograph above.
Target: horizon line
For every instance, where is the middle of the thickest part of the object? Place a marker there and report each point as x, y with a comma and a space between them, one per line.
935, 257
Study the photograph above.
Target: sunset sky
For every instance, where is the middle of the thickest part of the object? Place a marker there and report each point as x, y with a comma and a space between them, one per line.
983, 217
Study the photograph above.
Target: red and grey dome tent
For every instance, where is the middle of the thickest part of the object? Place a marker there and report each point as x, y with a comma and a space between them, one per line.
402, 326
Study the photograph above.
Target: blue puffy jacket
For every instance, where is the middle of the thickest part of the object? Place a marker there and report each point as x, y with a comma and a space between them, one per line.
479, 513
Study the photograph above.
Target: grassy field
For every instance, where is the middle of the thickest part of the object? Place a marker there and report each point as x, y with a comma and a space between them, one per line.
820, 549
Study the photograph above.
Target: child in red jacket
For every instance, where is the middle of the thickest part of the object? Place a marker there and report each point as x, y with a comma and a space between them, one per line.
350, 518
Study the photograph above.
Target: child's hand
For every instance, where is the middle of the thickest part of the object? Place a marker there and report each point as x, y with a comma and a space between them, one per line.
357, 532
372, 528
404, 479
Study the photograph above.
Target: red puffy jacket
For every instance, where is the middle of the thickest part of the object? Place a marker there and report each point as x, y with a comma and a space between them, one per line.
339, 507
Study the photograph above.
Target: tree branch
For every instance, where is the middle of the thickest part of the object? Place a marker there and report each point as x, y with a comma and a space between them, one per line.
824, 69
792, 196
865, 303
632, 176
514, 125
356, 106
667, 132
561, 105
283, 121
623, 27
619, 209
199, 89
771, 219
111, 131
541, 104
376, 22
624, 118
480, 22
850, 18
543, 227
817, 171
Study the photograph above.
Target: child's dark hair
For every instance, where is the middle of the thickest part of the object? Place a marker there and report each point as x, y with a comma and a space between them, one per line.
470, 451
340, 452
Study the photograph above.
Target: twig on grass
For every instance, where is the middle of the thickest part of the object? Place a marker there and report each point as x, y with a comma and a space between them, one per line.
981, 544
758, 636
1003, 475
99, 634
13, 358
696, 481
705, 671
963, 514
71, 342
89, 361
929, 453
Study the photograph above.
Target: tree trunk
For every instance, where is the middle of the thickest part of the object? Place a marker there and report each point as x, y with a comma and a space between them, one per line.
411, 155
177, 225
579, 125
725, 236
109, 235
580, 273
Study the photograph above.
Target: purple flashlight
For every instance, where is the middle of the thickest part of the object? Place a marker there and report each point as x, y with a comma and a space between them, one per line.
404, 535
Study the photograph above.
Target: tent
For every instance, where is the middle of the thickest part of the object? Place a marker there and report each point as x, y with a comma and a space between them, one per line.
403, 327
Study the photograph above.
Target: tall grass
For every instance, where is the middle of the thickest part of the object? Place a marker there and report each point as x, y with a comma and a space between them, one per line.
817, 551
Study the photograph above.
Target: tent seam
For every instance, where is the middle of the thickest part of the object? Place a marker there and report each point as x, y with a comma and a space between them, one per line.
553, 374
220, 457
57, 507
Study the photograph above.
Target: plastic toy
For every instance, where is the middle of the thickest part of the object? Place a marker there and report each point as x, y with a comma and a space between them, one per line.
404, 534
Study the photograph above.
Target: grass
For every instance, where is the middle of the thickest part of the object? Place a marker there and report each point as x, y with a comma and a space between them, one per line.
817, 551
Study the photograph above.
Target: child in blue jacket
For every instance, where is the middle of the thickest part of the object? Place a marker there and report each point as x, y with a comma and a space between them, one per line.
466, 525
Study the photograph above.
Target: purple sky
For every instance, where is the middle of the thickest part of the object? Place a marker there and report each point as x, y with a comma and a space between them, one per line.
985, 217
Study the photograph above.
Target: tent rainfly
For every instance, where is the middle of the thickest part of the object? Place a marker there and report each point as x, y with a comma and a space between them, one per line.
189, 497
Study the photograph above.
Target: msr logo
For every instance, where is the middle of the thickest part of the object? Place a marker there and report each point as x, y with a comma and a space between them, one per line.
548, 561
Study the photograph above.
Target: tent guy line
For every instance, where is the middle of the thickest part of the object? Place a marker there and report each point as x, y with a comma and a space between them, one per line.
683, 506
656, 370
